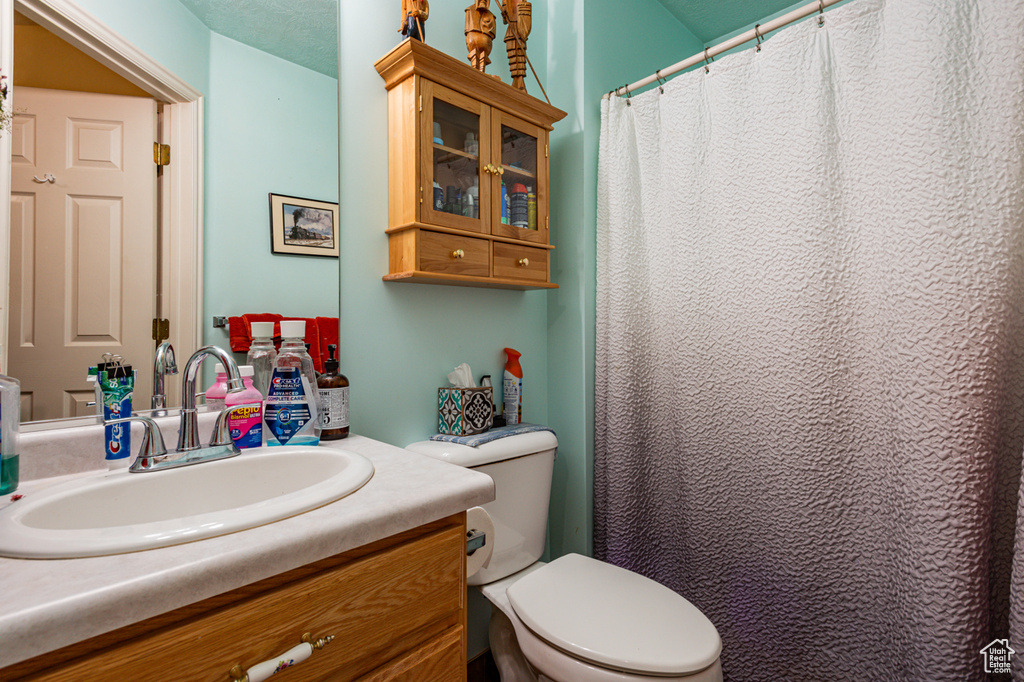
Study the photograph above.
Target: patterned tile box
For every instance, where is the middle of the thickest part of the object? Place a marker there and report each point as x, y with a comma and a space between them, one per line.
464, 411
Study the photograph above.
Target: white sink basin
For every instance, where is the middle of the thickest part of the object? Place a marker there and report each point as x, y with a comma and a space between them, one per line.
117, 512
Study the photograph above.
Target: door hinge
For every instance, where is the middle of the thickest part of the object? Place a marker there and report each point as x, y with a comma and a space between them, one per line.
161, 330
161, 154
547, 223
421, 102
421, 194
545, 151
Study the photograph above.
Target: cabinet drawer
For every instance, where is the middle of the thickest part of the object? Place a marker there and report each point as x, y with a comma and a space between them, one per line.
520, 262
439, 660
453, 255
378, 607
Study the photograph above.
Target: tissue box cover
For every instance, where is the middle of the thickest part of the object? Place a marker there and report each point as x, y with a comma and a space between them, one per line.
464, 411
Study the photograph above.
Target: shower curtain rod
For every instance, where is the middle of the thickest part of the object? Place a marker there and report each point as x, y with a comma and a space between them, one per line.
758, 31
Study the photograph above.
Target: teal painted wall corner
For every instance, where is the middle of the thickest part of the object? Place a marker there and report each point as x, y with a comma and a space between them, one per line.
272, 127
399, 341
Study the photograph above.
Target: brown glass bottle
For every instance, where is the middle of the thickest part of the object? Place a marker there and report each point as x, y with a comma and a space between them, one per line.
333, 388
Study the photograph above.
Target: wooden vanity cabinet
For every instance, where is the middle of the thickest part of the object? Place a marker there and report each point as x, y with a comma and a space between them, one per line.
455, 138
396, 609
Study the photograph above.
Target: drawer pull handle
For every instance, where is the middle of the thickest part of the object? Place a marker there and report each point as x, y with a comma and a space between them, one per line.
297, 654
524, 262
458, 253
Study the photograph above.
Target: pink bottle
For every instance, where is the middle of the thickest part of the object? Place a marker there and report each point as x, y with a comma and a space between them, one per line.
246, 425
218, 389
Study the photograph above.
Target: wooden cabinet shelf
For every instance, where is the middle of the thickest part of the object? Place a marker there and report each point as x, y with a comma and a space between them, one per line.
468, 182
453, 154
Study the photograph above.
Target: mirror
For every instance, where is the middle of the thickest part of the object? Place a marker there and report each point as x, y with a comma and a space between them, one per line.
245, 93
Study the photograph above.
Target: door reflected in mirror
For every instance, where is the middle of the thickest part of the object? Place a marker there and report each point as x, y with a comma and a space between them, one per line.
104, 242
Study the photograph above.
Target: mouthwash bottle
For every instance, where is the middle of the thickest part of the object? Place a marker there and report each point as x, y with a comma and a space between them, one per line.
10, 418
292, 414
262, 355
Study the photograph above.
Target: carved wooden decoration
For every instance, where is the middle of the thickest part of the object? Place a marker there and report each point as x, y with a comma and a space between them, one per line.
517, 15
414, 16
480, 31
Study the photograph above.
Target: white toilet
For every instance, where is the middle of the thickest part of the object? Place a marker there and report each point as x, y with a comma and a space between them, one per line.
575, 619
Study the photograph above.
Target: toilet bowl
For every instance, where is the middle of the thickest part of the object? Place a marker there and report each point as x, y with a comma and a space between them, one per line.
575, 619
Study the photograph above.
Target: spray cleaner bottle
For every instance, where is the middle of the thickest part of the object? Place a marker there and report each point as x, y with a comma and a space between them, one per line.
512, 387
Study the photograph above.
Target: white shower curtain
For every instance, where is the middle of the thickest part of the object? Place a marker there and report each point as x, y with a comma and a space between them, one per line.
810, 323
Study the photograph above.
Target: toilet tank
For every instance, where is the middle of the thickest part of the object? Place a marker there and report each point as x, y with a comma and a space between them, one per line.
521, 467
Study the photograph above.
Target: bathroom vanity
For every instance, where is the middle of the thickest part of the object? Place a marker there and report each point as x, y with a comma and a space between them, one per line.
381, 570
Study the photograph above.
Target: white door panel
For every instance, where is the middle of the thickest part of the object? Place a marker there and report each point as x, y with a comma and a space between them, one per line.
83, 247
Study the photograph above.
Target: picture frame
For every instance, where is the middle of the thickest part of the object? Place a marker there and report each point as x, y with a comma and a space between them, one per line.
304, 227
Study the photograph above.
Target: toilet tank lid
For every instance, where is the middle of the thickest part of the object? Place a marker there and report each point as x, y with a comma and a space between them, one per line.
615, 618
519, 445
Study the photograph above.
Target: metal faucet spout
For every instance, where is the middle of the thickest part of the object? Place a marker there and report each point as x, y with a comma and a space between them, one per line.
163, 364
188, 433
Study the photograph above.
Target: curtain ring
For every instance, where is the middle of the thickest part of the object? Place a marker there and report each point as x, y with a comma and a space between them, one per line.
628, 94
661, 81
821, 13
707, 60
757, 34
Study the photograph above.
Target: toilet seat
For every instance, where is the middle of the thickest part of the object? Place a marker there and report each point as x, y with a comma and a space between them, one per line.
614, 618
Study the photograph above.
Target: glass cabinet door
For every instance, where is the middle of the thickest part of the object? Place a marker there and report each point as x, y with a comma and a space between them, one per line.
522, 182
452, 195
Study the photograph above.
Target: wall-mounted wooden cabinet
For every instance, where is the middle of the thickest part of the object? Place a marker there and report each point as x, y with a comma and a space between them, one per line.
468, 189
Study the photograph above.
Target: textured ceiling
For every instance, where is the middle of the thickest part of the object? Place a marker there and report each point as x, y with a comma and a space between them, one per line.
711, 20
304, 32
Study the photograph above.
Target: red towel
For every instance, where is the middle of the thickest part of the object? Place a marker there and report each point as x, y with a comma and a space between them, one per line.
320, 331
312, 339
328, 328
240, 329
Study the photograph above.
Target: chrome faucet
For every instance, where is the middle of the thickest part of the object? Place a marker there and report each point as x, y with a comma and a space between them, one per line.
153, 455
188, 432
163, 364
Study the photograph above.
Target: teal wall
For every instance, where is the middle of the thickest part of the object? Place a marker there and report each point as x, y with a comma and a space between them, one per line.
570, 372
399, 341
271, 127
164, 30
624, 42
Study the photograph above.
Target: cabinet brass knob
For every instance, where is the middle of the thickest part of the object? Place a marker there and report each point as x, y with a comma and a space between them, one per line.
524, 262
458, 253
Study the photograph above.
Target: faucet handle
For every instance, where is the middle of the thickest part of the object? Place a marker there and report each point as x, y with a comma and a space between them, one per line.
152, 441
221, 432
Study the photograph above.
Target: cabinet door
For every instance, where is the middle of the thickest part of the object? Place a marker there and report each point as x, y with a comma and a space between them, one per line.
521, 150
452, 128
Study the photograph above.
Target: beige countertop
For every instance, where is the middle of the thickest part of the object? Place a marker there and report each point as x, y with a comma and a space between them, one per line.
49, 604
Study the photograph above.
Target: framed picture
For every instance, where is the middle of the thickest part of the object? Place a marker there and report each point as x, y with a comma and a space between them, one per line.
303, 226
